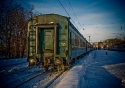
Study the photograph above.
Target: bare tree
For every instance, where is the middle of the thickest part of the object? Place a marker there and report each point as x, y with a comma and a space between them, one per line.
13, 29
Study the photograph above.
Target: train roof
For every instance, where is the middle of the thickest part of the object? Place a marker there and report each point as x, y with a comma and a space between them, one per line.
55, 14
68, 19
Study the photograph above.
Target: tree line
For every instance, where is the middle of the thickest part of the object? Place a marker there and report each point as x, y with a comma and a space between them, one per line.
109, 43
13, 28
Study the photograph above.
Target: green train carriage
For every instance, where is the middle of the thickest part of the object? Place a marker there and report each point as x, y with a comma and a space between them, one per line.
54, 41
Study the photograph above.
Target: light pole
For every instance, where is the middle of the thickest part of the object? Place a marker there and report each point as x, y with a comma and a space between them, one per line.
89, 39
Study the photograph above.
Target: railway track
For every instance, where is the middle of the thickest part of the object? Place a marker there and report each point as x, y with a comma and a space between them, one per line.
13, 69
52, 82
48, 80
56, 80
22, 80
44, 82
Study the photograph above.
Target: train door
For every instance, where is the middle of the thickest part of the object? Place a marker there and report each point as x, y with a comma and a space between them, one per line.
48, 40
46, 44
48, 48
45, 40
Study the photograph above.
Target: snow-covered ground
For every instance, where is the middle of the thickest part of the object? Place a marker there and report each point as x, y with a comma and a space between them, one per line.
4, 63
97, 70
12, 66
15, 71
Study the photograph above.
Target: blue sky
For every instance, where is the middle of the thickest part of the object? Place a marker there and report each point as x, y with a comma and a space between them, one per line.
101, 19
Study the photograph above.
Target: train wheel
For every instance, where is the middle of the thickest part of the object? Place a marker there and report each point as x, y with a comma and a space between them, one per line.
58, 68
62, 67
32, 61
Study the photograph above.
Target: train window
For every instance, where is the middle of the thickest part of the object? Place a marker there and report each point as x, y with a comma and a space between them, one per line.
76, 42
70, 37
84, 44
65, 26
73, 39
48, 33
70, 24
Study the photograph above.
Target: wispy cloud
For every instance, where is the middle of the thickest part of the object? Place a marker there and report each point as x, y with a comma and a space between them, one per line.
95, 16
91, 5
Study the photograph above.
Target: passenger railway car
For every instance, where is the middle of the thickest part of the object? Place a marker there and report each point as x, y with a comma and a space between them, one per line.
120, 48
54, 41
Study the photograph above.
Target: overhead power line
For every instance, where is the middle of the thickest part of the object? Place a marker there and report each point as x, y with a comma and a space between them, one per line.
66, 11
64, 8
74, 13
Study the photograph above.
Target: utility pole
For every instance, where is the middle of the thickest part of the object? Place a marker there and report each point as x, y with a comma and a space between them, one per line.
89, 39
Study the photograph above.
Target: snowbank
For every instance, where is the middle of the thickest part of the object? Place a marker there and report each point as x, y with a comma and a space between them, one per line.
117, 70
88, 60
73, 77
